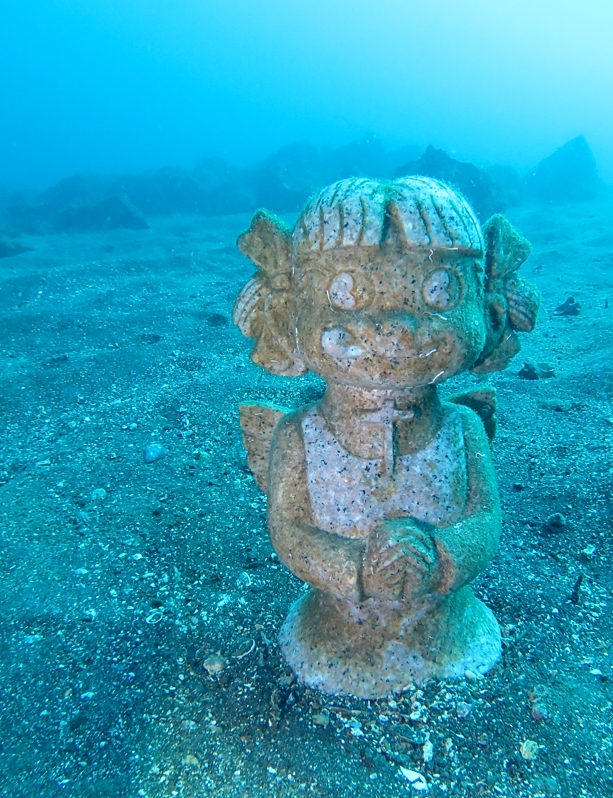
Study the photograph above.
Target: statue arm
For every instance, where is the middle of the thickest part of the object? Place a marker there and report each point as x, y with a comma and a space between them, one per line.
329, 562
465, 548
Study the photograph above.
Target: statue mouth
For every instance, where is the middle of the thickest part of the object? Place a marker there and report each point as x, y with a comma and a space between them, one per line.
340, 342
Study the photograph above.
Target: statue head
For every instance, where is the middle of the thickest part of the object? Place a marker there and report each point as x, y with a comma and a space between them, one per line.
385, 285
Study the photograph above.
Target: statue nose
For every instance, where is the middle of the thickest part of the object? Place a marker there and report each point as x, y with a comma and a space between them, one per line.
398, 329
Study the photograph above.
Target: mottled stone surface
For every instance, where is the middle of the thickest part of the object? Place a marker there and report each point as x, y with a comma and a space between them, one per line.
382, 497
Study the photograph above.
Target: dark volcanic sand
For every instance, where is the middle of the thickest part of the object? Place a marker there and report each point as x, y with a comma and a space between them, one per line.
120, 578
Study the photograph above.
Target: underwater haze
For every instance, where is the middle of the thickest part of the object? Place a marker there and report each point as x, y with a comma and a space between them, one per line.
127, 85
141, 600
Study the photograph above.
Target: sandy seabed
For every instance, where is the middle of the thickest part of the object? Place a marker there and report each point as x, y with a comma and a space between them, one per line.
141, 602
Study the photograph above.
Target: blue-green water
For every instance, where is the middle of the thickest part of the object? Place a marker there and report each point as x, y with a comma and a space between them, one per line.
141, 601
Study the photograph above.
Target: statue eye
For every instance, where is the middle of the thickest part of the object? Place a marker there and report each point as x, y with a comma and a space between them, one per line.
441, 289
350, 291
340, 291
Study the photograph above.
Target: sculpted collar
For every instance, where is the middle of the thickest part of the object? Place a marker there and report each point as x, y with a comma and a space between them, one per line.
382, 424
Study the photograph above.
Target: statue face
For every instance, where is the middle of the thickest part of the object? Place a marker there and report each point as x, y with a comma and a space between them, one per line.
376, 318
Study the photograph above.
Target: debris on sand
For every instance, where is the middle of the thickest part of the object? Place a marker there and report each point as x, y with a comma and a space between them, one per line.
557, 405
529, 749
575, 595
531, 370
568, 308
214, 664
556, 523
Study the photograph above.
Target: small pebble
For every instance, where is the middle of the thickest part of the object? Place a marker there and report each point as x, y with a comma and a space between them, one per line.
214, 664
529, 750
547, 785
557, 405
588, 553
321, 719
153, 452
539, 711
556, 523
98, 493
355, 727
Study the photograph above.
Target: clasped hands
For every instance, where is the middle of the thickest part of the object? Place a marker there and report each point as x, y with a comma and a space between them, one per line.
399, 561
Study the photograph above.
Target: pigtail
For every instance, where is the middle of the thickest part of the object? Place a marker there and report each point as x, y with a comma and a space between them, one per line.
265, 308
511, 302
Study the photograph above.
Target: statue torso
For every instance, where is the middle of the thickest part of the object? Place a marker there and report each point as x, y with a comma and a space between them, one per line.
350, 495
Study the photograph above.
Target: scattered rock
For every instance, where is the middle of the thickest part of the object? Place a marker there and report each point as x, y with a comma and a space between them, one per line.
556, 523
109, 214
539, 712
568, 308
588, 553
529, 750
281, 182
531, 370
546, 784
558, 405
463, 709
321, 719
477, 185
56, 362
216, 320
508, 180
98, 493
538, 708
215, 664
568, 175
415, 779
153, 452
10, 249
151, 338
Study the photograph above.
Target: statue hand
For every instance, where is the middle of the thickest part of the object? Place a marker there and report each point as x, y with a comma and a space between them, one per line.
399, 561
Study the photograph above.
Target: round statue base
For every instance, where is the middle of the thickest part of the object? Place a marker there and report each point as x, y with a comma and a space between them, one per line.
377, 648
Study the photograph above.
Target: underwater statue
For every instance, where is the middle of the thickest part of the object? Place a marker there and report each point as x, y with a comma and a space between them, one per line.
382, 496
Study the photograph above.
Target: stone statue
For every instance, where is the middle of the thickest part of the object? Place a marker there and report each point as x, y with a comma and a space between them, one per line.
382, 497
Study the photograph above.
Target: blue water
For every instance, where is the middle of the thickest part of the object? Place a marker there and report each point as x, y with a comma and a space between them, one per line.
140, 599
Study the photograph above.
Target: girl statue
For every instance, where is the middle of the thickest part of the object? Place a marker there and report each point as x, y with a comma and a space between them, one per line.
382, 497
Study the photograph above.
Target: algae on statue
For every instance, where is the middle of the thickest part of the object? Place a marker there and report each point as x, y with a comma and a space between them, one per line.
382, 497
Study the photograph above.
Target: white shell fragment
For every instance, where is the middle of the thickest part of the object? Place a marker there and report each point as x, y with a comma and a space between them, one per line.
415, 779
